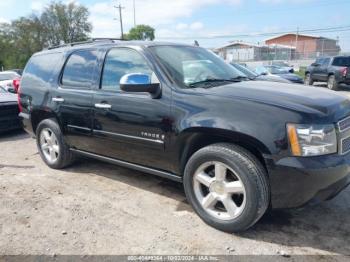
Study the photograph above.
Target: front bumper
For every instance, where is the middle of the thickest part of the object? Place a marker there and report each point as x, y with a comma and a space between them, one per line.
296, 181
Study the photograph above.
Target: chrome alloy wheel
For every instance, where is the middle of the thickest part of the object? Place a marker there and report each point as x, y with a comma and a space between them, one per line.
330, 82
219, 190
49, 145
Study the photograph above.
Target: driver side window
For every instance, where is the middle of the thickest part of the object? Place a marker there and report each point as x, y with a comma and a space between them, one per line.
119, 62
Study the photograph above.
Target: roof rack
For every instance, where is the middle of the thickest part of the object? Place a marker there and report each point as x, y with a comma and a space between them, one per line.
92, 40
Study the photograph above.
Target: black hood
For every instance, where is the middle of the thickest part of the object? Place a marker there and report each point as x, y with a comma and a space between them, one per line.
292, 96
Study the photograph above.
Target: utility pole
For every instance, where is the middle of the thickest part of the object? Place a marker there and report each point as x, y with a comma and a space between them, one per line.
134, 13
296, 41
120, 20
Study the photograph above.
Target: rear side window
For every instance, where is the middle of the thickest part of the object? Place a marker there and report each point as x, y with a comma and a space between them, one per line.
79, 69
40, 68
341, 61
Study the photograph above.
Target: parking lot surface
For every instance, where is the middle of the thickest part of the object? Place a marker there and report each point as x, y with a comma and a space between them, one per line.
98, 208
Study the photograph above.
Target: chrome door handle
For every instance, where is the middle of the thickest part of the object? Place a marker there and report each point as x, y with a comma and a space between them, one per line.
103, 106
58, 99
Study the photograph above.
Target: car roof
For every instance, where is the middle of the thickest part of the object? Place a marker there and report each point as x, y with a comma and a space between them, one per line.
107, 43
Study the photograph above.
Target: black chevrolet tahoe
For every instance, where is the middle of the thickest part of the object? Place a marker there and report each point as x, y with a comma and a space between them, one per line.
239, 147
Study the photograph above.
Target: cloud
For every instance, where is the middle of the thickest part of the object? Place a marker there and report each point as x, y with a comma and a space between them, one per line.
196, 26
37, 5
3, 20
159, 13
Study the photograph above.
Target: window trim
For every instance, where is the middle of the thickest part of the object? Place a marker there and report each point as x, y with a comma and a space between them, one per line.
90, 87
118, 91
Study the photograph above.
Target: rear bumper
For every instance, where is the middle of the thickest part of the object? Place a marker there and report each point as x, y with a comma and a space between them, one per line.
27, 123
295, 181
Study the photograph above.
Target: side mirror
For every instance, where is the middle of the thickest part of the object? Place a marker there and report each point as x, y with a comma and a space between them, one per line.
315, 64
138, 82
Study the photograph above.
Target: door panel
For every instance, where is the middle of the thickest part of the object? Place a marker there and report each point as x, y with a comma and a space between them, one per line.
74, 98
75, 113
132, 127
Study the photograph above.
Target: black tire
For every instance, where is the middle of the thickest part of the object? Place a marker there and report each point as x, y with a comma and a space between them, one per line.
332, 83
252, 174
65, 156
308, 79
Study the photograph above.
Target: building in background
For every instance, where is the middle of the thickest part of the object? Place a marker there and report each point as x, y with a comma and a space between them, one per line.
239, 51
307, 46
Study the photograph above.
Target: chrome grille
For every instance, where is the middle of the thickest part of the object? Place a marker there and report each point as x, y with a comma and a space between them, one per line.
344, 124
345, 145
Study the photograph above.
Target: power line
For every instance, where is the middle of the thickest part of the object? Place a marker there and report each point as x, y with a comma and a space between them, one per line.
317, 30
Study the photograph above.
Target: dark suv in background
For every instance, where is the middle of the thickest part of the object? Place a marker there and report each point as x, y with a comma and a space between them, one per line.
182, 113
333, 70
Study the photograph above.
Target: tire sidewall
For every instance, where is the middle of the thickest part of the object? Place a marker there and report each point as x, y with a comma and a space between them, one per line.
54, 127
251, 210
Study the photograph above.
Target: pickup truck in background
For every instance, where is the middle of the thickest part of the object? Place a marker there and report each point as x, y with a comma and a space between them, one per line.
333, 70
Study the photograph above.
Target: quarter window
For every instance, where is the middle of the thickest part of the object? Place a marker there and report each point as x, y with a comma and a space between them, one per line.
79, 69
119, 62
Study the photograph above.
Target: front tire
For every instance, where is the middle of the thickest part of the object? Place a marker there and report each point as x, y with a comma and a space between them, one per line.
51, 145
332, 83
227, 187
308, 80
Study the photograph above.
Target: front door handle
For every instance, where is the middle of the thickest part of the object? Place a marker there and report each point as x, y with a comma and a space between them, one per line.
103, 106
58, 99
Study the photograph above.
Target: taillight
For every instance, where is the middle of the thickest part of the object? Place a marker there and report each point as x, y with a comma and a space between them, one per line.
344, 71
16, 83
19, 98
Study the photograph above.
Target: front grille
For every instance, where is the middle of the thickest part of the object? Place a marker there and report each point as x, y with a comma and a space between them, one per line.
344, 124
345, 145
9, 110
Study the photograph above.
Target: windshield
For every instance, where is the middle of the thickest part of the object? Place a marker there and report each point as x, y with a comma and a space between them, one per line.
249, 73
276, 70
189, 65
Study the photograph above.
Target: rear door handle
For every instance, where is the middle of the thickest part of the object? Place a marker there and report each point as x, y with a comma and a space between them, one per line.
103, 106
58, 99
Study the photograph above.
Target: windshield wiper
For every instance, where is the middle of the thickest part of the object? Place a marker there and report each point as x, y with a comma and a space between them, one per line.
218, 80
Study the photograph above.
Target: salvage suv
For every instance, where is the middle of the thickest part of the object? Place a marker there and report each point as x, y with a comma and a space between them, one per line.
239, 147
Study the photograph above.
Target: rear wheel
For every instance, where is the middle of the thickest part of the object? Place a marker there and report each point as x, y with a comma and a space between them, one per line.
227, 187
308, 79
332, 83
51, 145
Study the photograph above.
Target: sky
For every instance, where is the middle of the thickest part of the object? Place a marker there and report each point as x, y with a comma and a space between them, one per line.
212, 22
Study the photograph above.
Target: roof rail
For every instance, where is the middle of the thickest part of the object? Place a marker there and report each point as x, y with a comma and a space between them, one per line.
89, 41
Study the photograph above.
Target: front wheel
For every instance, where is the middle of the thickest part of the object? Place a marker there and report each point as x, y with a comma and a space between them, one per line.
51, 145
227, 187
332, 83
308, 80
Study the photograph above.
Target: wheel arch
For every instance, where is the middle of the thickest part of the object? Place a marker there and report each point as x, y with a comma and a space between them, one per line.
39, 115
193, 139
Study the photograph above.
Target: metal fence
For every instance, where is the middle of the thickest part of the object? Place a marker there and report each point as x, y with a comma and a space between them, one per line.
301, 50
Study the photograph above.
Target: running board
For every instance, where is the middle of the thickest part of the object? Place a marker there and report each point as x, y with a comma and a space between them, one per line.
130, 165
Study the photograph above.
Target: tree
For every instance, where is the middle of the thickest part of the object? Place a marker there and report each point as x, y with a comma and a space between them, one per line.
58, 23
65, 23
141, 32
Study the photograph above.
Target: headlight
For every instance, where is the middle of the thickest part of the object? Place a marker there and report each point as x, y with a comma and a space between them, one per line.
312, 140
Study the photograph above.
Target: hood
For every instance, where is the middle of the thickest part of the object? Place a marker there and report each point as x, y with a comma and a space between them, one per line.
291, 96
8, 97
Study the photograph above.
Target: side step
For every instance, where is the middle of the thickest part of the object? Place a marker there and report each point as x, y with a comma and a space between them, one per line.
130, 165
